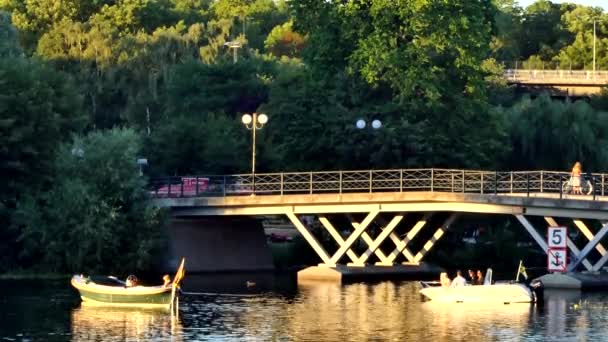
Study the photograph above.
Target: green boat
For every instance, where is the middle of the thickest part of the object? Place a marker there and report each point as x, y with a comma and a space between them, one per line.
108, 291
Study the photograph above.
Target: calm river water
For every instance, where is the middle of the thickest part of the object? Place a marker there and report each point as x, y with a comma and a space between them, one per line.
276, 309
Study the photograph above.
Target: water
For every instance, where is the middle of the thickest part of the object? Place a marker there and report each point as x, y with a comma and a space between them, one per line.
276, 309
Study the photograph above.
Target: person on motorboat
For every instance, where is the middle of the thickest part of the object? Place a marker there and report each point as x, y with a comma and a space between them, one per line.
472, 277
444, 279
479, 278
131, 281
459, 280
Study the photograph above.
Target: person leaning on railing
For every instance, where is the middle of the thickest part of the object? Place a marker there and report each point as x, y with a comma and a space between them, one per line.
576, 178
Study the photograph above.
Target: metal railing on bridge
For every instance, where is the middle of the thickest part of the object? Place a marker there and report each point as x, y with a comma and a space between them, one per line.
522, 183
582, 77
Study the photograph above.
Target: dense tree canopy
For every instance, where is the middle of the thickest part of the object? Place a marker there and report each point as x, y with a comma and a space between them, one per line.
87, 86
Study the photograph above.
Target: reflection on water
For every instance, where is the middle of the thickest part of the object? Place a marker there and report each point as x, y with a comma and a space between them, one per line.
306, 312
101, 323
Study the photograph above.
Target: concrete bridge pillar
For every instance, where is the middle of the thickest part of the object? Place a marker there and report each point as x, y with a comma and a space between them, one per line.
219, 243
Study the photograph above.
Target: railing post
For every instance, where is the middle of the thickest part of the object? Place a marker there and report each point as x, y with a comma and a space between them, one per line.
400, 180
452, 174
463, 185
281, 185
528, 183
482, 182
541, 181
511, 181
432, 180
181, 180
224, 185
495, 182
370, 181
602, 184
310, 183
593, 179
340, 185
196, 191
561, 184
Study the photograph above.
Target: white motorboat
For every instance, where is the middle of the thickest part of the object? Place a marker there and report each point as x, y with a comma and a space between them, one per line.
489, 292
493, 293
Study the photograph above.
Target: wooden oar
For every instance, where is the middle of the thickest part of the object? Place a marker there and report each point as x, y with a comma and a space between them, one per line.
118, 280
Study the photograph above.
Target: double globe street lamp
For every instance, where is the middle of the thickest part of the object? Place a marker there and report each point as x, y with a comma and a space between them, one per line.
376, 124
254, 122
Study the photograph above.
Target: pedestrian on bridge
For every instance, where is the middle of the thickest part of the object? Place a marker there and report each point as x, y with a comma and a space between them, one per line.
576, 178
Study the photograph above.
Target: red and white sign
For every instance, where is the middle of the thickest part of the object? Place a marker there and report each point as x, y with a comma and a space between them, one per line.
557, 237
557, 260
557, 252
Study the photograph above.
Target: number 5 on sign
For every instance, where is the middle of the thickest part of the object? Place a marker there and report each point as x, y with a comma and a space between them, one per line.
557, 237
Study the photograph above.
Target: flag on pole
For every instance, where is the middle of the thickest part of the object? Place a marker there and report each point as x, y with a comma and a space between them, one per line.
522, 270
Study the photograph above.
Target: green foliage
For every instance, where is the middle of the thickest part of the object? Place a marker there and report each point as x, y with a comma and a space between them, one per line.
9, 46
210, 144
550, 134
95, 216
196, 88
39, 107
282, 41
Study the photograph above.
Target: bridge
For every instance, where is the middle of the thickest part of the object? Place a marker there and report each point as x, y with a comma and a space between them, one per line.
404, 210
568, 82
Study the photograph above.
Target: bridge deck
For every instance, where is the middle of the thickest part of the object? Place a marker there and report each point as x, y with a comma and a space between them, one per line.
537, 204
388, 190
577, 78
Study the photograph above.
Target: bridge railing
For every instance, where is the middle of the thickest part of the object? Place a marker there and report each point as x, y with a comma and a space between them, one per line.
521, 183
582, 76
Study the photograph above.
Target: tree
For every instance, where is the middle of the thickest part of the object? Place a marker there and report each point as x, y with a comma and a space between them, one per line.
39, 108
543, 33
9, 46
96, 216
283, 41
549, 134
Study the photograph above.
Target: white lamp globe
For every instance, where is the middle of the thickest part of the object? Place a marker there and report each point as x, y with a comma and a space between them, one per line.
263, 118
360, 124
376, 124
246, 119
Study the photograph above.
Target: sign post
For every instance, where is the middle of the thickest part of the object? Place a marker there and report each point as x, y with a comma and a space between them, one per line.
557, 252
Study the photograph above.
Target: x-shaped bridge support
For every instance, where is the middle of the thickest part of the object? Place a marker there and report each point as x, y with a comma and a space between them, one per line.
373, 245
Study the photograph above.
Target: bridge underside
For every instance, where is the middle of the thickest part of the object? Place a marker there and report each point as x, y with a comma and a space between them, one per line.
388, 229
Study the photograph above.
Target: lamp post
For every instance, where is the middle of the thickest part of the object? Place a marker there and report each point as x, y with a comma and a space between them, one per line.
595, 21
254, 122
234, 45
142, 162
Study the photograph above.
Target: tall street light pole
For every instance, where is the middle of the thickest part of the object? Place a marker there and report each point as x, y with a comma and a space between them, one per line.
234, 45
254, 122
594, 21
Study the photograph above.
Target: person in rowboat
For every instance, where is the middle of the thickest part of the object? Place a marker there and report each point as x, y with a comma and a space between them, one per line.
131, 281
166, 280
